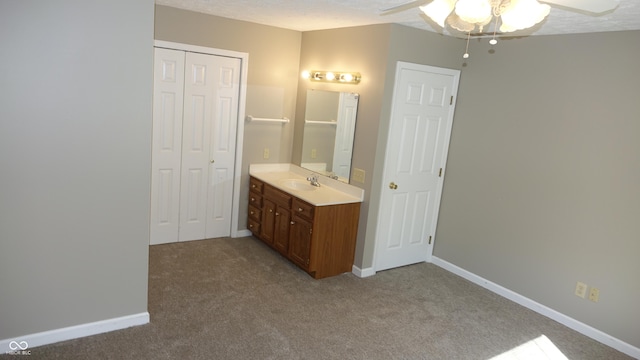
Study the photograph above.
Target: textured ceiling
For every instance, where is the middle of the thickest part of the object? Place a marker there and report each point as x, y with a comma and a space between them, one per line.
307, 15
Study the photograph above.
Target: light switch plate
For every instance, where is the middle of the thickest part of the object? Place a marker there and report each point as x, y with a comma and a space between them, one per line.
358, 175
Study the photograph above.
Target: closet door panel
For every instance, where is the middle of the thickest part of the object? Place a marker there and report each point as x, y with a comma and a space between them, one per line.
223, 146
199, 91
167, 145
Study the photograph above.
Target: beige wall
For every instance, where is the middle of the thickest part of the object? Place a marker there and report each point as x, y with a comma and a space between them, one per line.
274, 56
543, 178
75, 149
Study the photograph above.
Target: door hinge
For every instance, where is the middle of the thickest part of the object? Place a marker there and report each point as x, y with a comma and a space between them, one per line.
429, 239
440, 173
451, 101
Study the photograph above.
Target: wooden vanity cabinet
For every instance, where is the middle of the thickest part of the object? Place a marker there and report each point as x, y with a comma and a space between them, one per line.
319, 239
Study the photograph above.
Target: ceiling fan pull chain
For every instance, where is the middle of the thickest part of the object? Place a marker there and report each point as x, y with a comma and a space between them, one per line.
495, 29
466, 52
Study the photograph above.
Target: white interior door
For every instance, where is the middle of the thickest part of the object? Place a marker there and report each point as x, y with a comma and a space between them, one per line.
345, 131
419, 132
168, 96
195, 119
223, 145
196, 129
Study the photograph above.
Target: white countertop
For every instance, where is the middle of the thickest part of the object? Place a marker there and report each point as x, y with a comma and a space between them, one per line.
330, 191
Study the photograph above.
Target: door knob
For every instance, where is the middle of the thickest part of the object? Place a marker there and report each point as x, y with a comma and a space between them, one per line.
393, 186
212, 161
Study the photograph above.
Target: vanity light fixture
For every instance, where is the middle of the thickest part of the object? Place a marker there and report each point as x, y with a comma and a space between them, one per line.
332, 76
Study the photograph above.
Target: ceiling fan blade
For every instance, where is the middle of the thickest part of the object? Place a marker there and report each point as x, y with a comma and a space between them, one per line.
404, 6
591, 6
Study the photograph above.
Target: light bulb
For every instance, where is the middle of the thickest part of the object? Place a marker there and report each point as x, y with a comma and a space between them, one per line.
306, 74
330, 76
493, 41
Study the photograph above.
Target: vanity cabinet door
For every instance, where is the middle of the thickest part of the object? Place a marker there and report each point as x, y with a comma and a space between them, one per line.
300, 241
281, 230
268, 221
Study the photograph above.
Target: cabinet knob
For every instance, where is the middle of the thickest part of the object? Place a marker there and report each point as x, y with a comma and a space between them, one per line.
253, 199
253, 186
277, 213
270, 210
250, 226
293, 222
300, 209
251, 212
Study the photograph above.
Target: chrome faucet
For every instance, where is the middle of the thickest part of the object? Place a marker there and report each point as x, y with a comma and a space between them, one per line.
313, 179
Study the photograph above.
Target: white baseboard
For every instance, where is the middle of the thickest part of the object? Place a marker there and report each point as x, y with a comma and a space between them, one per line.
362, 273
241, 233
541, 309
74, 332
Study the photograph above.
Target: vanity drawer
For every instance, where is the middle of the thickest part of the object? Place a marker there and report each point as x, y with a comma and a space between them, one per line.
303, 209
254, 226
255, 213
277, 196
255, 200
256, 185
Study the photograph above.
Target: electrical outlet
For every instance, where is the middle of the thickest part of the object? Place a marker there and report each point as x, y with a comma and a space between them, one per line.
594, 294
265, 154
581, 289
358, 175
314, 153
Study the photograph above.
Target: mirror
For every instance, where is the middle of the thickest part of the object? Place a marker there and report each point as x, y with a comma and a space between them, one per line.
329, 128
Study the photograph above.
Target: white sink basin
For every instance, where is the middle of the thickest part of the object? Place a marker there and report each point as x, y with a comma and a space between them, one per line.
297, 184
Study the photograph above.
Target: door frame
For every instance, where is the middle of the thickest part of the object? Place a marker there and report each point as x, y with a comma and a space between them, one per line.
401, 65
242, 101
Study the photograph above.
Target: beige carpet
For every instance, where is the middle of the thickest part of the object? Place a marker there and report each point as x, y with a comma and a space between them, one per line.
237, 299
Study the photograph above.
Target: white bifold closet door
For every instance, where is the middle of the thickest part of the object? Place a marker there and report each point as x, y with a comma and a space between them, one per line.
195, 112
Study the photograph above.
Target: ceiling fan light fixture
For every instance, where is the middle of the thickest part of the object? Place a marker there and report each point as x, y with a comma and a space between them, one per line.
439, 10
523, 14
474, 11
472, 15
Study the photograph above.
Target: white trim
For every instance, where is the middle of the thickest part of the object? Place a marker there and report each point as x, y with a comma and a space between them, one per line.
362, 273
78, 331
242, 233
199, 49
541, 309
242, 103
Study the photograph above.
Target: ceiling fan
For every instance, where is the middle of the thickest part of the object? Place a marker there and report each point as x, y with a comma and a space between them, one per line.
504, 16
593, 7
